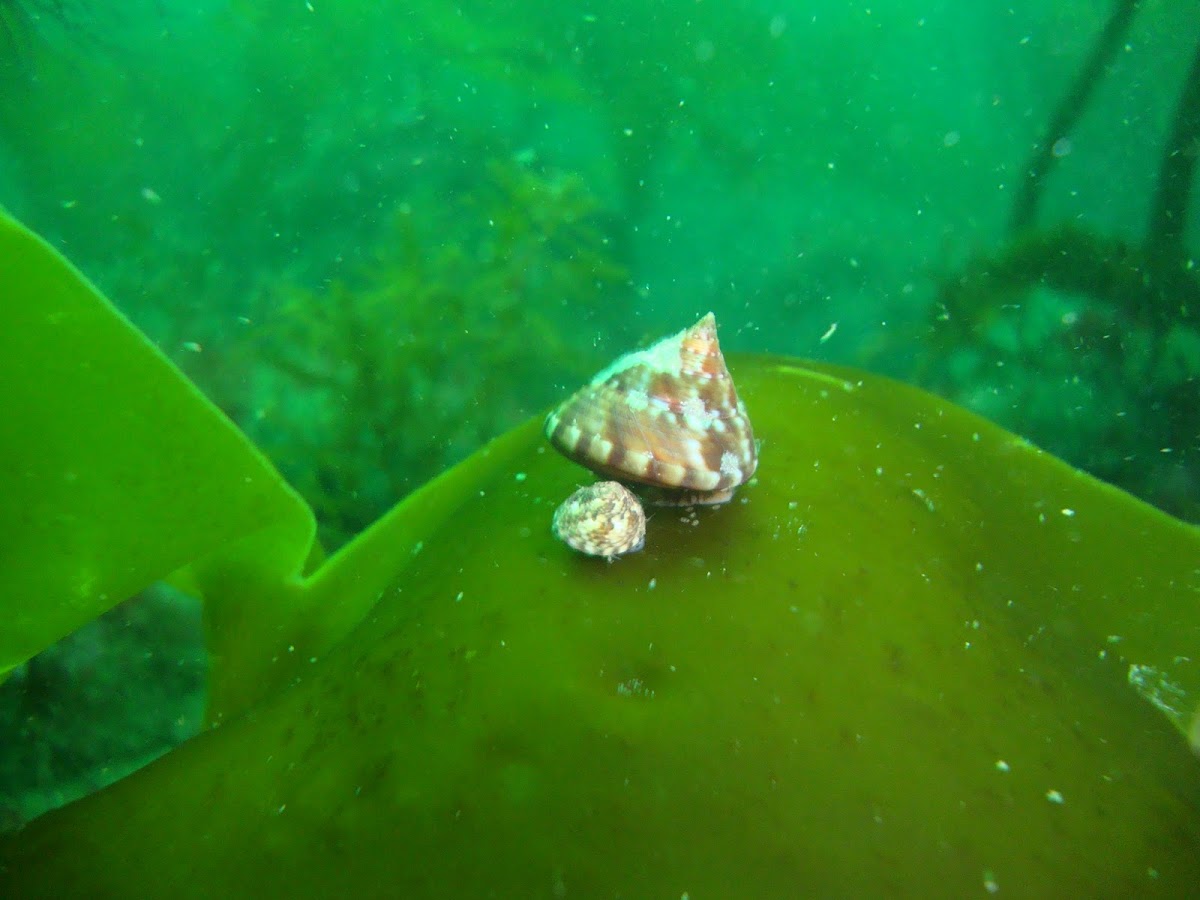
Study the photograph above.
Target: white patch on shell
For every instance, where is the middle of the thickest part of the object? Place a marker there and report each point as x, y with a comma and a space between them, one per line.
693, 408
697, 416
660, 406
636, 463
731, 466
637, 400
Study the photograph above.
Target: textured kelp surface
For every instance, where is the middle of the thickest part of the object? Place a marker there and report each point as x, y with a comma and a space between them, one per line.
905, 648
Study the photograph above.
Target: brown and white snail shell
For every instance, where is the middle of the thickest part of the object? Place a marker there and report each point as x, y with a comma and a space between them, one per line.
602, 519
667, 417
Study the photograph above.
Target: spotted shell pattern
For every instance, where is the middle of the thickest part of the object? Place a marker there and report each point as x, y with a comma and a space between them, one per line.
602, 519
667, 416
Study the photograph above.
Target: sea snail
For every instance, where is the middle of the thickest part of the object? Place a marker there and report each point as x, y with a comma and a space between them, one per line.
602, 519
666, 419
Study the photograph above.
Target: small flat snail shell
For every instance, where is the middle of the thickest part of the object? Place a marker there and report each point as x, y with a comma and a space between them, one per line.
667, 417
602, 519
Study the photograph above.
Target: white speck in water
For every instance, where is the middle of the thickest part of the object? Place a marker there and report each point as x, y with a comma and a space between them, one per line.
1054, 796
1001, 766
458, 599
1068, 512
989, 882
520, 476
652, 585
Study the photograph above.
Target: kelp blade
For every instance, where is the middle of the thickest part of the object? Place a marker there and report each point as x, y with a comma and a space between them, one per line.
899, 662
118, 470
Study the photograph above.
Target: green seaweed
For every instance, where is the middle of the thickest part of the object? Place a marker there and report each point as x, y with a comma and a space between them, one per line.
495, 278
914, 644
98, 434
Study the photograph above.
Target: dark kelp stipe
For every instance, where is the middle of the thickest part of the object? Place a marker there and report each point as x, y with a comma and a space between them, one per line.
915, 655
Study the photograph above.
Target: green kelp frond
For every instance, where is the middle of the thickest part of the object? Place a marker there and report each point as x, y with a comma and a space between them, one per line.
119, 472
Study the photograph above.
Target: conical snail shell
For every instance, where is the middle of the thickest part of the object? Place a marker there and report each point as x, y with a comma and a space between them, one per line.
667, 416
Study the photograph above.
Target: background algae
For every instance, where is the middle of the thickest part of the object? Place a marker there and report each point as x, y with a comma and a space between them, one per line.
897, 662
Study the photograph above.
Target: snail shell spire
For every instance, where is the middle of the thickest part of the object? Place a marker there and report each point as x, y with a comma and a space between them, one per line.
667, 416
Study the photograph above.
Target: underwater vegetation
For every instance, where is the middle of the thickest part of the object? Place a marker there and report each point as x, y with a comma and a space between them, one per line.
1090, 341
20, 18
1064, 330
28, 28
913, 643
141, 664
457, 327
